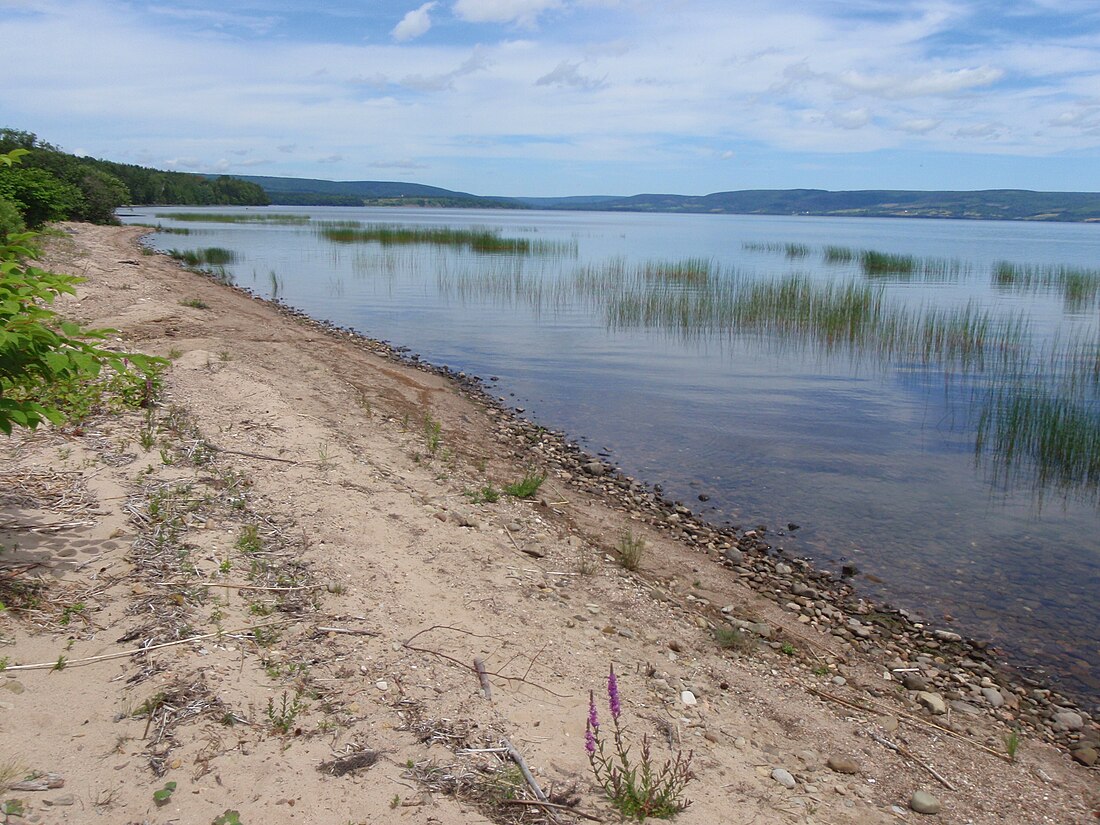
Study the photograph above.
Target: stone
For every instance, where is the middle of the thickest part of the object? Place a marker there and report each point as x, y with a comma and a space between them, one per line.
842, 764
733, 555
595, 468
924, 803
784, 778
932, 701
914, 681
1068, 720
993, 696
688, 698
1086, 756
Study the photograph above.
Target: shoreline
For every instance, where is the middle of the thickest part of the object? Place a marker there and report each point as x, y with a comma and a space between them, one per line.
794, 583
310, 436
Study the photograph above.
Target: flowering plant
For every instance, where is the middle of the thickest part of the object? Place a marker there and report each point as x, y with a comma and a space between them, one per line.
638, 791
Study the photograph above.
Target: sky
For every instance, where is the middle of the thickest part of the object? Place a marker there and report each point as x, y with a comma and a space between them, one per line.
570, 97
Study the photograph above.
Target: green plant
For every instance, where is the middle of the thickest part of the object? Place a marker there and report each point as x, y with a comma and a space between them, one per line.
46, 362
282, 718
12, 807
230, 817
1012, 743
787, 649
638, 790
69, 611
631, 548
164, 795
249, 542
432, 434
60, 663
486, 495
732, 638
194, 303
396, 801
526, 486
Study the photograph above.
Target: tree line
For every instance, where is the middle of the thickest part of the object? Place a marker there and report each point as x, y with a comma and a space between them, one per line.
49, 184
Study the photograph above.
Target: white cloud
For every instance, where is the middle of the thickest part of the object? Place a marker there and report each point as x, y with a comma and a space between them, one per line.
415, 23
519, 12
919, 125
568, 74
939, 82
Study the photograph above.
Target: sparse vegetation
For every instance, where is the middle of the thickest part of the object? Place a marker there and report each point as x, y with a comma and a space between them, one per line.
526, 486
630, 551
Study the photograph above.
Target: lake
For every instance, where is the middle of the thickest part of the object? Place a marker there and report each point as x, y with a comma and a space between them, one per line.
922, 397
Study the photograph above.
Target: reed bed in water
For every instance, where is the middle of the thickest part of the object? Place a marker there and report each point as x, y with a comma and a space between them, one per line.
210, 256
791, 250
1078, 286
474, 239
234, 217
1035, 409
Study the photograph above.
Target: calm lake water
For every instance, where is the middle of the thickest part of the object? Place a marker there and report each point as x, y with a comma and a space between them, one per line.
645, 337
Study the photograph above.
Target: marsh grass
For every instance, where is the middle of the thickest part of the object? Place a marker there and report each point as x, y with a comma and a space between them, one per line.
1079, 287
243, 217
791, 250
839, 255
481, 240
210, 256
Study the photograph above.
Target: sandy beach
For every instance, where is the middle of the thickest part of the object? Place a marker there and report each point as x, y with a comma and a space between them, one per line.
273, 588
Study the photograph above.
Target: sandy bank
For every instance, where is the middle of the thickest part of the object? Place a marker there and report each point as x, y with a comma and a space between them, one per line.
291, 490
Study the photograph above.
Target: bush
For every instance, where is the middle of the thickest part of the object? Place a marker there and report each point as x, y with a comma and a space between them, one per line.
11, 219
44, 361
40, 196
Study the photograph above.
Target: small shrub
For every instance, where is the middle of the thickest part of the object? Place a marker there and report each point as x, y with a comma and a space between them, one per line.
282, 717
526, 486
630, 550
194, 303
734, 639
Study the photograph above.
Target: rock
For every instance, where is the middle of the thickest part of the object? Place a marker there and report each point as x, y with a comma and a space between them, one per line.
784, 778
914, 681
688, 698
782, 569
993, 696
595, 468
733, 555
61, 801
1086, 756
924, 803
932, 701
382, 685
1068, 720
842, 764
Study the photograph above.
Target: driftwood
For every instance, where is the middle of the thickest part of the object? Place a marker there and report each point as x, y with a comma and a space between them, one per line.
874, 707
122, 653
898, 749
483, 677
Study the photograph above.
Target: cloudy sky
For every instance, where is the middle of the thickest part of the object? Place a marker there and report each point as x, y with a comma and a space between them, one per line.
558, 97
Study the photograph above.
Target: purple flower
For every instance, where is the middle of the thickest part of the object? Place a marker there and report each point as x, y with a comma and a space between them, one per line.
613, 695
592, 726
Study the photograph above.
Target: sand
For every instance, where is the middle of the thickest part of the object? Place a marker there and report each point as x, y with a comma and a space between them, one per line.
314, 575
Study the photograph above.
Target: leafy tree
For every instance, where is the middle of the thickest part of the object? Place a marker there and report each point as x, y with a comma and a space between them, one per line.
45, 361
39, 195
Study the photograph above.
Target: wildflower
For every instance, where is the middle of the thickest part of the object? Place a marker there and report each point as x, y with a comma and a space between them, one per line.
592, 727
613, 695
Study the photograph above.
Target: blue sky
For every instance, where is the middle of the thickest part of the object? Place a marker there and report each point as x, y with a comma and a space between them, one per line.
561, 97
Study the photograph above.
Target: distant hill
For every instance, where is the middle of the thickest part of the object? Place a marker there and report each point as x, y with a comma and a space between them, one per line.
988, 204
312, 192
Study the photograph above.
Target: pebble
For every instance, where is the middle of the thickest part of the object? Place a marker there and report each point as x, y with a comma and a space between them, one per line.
688, 698
382, 685
924, 803
784, 778
914, 681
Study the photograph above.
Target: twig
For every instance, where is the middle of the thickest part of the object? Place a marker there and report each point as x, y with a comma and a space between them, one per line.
120, 654
349, 631
886, 743
553, 806
409, 646
257, 587
483, 677
875, 707
250, 455
517, 757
